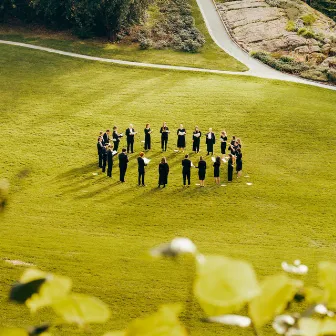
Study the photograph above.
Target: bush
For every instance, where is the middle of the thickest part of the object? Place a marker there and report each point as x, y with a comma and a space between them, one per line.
308, 19
307, 33
285, 64
145, 43
331, 74
315, 74
291, 26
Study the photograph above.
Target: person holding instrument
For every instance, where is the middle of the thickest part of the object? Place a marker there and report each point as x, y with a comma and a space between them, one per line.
163, 172
196, 140
223, 139
116, 138
164, 130
216, 166
130, 132
148, 133
181, 133
210, 141
186, 164
141, 169
201, 171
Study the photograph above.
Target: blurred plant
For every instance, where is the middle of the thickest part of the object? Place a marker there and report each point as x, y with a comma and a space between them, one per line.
4, 190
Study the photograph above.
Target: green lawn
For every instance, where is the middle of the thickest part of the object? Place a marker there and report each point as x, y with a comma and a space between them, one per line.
64, 219
210, 56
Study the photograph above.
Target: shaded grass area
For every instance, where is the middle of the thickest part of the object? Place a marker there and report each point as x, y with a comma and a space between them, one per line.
209, 57
64, 219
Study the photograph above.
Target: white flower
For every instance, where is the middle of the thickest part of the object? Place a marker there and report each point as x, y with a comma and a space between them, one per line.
175, 247
234, 320
297, 268
282, 323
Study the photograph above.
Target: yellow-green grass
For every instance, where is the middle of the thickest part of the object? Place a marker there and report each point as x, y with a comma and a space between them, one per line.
209, 57
66, 220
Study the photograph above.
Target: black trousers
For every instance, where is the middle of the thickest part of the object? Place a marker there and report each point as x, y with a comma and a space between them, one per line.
186, 175
104, 166
147, 143
164, 143
100, 160
116, 145
141, 178
130, 146
109, 171
122, 173
196, 147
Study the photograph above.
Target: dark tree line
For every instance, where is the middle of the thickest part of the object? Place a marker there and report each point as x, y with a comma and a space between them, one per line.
85, 17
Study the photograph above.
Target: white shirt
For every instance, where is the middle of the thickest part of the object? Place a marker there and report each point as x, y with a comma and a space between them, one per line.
209, 135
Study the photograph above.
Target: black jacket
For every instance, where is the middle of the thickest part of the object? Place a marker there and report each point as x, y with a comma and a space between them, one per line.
164, 135
123, 160
141, 164
109, 158
129, 136
186, 163
212, 139
116, 136
99, 147
106, 138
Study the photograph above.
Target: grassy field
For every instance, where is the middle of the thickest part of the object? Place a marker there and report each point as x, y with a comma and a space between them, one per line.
64, 219
210, 56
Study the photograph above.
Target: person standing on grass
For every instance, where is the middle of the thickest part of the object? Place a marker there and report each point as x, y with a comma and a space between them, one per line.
216, 166
196, 140
141, 169
164, 130
163, 172
148, 133
223, 139
230, 167
232, 145
123, 161
181, 133
109, 161
210, 141
130, 133
106, 137
239, 162
100, 152
104, 154
201, 171
186, 164
116, 138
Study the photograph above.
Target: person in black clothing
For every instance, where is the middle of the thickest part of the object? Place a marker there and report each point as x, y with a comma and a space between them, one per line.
100, 152
148, 133
223, 139
163, 172
232, 145
106, 138
141, 169
181, 143
216, 166
109, 161
196, 140
239, 143
104, 154
164, 130
239, 162
210, 141
116, 138
201, 171
123, 161
130, 132
230, 167
186, 164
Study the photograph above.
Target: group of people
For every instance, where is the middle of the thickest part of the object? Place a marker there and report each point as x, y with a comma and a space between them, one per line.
108, 146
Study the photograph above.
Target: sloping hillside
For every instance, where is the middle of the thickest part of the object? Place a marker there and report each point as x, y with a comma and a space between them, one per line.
286, 34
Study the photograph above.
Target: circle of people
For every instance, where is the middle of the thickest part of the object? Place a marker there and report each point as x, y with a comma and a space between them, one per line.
108, 146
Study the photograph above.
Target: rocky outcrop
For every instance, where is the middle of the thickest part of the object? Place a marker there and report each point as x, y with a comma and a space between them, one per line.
281, 28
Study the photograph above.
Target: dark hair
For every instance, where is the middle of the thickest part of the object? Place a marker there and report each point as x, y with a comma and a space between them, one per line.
99, 138
123, 150
186, 156
147, 125
218, 159
201, 158
115, 127
233, 137
142, 154
163, 160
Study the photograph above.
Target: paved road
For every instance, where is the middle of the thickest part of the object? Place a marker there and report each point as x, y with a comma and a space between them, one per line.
260, 70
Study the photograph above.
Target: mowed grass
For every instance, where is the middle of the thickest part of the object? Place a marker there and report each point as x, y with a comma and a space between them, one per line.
210, 56
66, 220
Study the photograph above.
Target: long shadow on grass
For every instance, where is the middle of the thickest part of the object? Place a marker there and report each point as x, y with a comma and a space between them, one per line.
90, 167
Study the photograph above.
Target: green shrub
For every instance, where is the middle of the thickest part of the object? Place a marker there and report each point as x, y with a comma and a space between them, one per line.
308, 19
307, 33
145, 43
285, 64
290, 26
315, 74
331, 74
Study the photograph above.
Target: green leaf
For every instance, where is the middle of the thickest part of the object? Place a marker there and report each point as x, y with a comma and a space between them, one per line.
13, 332
163, 322
317, 327
327, 276
224, 285
82, 309
276, 292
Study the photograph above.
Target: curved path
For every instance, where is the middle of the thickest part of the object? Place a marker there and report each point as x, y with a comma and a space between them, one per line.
218, 33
